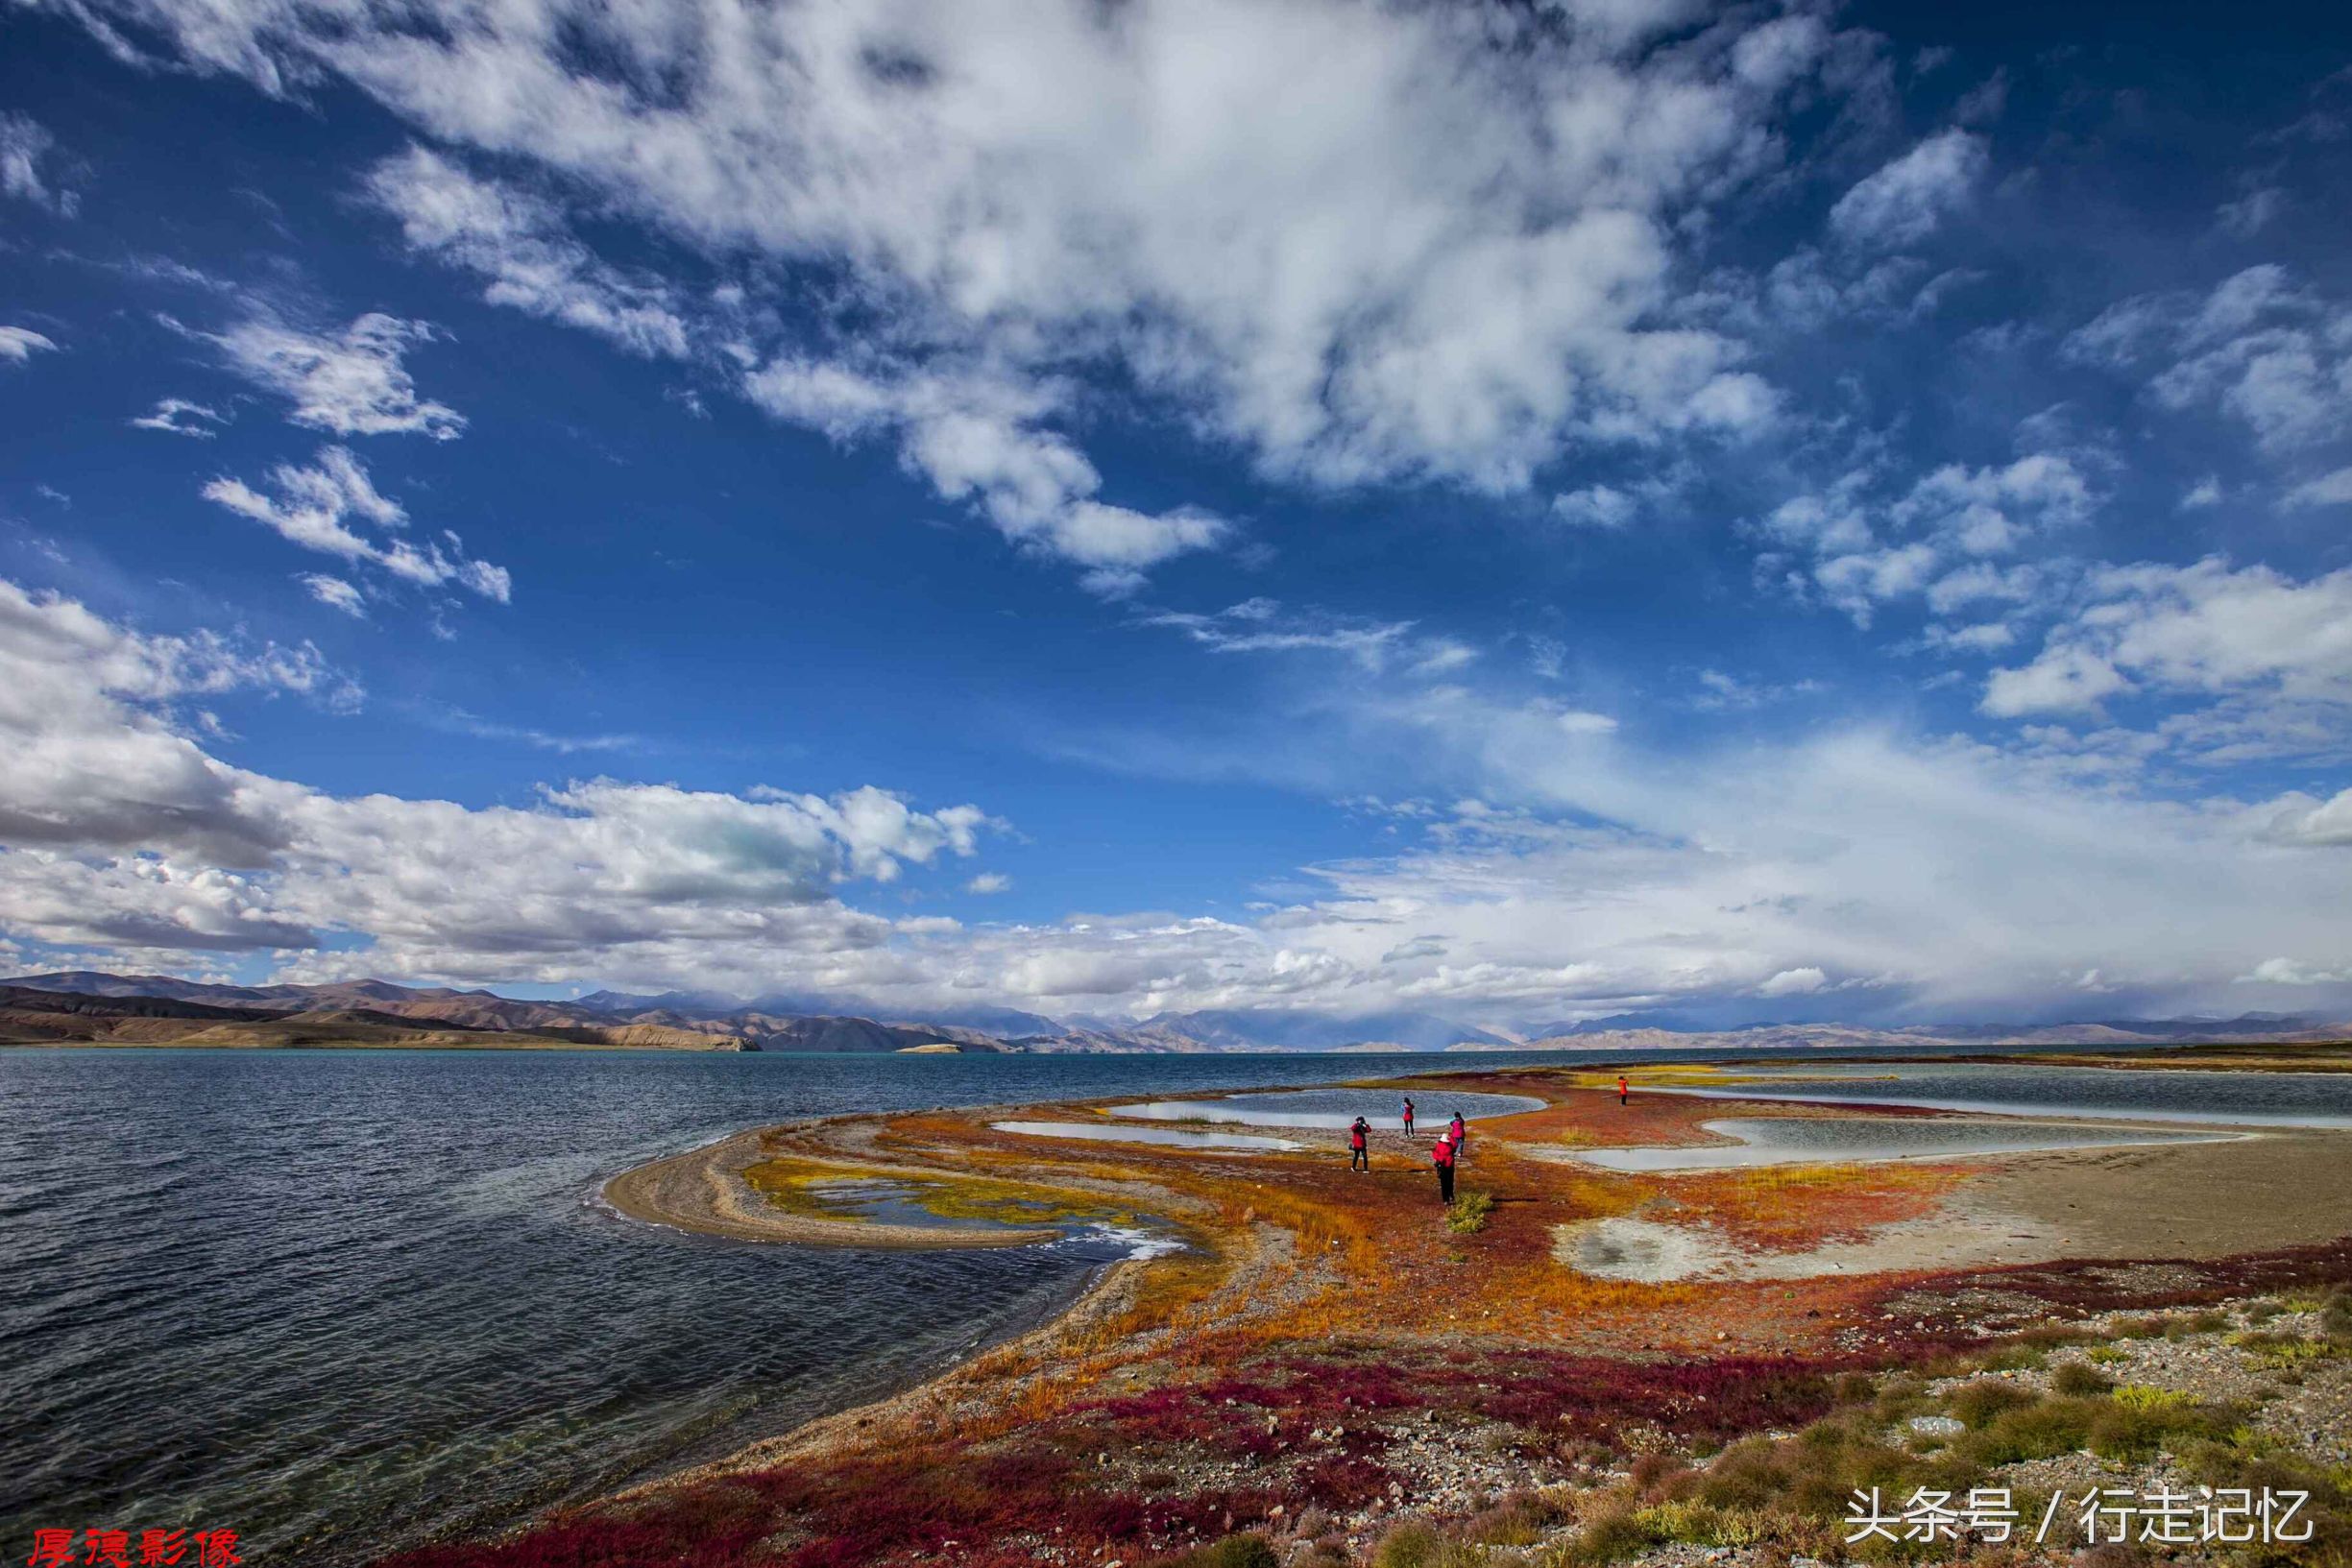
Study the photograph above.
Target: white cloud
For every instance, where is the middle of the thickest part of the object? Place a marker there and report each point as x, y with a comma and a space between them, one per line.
2066, 679
335, 593
1933, 540
324, 508
2248, 635
1904, 201
1264, 626
2299, 819
989, 881
2250, 214
25, 145
521, 244
350, 382
2328, 489
1793, 982
176, 416
2261, 349
976, 435
2287, 971
19, 344
125, 831
1595, 506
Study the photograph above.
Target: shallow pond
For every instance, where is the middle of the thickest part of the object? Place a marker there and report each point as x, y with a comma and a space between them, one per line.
1845, 1139
1331, 1108
1174, 1137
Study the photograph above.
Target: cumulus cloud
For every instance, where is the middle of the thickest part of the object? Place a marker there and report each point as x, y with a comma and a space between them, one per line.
19, 344
2299, 819
1933, 541
2260, 348
1908, 200
351, 382
989, 881
123, 829
325, 507
2287, 971
2208, 629
1794, 982
1595, 506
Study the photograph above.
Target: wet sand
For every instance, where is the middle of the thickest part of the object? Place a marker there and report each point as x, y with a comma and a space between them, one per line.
703, 1190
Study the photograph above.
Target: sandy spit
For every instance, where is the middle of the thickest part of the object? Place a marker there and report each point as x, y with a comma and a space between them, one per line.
703, 1190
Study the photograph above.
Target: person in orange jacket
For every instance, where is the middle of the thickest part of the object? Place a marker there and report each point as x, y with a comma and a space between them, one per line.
1623, 1088
1359, 1157
1443, 1157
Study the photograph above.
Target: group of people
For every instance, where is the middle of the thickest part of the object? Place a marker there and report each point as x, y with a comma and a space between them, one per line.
1444, 1155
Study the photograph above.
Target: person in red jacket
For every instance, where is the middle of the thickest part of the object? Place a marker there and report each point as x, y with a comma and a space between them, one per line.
1623, 1088
1459, 1134
1408, 1119
1443, 1157
1359, 1158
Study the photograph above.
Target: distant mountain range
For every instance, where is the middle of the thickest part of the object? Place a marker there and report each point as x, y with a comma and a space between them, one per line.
89, 1007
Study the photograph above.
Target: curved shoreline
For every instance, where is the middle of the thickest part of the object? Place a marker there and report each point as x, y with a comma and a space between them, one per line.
703, 1190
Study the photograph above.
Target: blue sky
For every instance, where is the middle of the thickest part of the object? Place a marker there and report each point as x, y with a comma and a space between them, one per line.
1529, 513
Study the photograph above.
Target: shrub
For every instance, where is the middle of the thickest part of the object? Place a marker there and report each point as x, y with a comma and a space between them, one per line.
1409, 1546
1468, 1214
1517, 1520
1977, 1403
1233, 1552
1618, 1533
2079, 1379
2281, 1352
2034, 1431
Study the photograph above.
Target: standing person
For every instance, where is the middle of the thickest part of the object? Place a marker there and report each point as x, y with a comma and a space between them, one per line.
1459, 1135
1359, 1158
1408, 1117
1443, 1157
1622, 1089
